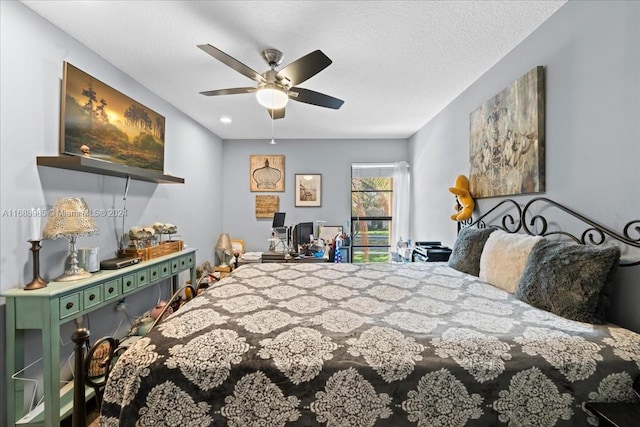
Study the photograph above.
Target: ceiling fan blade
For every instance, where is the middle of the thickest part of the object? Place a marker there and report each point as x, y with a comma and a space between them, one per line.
304, 68
277, 113
316, 98
231, 91
232, 62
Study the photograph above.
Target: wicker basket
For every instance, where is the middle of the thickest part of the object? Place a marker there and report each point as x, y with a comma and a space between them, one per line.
162, 249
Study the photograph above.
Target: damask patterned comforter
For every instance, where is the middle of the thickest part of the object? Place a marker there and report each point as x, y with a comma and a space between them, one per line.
362, 345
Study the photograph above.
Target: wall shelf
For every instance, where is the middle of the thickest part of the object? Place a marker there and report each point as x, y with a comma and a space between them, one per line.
90, 165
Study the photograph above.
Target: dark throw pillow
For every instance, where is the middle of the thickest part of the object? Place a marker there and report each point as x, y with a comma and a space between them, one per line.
570, 280
467, 249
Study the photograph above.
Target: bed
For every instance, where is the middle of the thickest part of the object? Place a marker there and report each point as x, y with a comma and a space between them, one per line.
425, 344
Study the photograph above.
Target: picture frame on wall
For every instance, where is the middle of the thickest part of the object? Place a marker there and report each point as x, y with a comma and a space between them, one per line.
507, 140
308, 190
100, 122
266, 172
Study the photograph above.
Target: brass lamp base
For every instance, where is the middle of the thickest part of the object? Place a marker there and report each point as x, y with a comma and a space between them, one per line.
36, 283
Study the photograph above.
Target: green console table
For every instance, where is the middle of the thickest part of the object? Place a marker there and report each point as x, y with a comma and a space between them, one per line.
60, 302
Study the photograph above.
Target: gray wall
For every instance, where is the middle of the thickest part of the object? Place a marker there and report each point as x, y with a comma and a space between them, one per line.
331, 158
32, 52
591, 54
591, 51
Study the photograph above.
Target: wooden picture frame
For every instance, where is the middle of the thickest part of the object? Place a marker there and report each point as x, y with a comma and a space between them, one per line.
308, 190
507, 140
100, 122
266, 172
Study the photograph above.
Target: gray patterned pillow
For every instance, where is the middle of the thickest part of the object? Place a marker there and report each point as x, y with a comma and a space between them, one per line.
467, 249
570, 280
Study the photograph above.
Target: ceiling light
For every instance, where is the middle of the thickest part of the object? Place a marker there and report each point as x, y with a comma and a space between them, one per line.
271, 96
225, 119
273, 141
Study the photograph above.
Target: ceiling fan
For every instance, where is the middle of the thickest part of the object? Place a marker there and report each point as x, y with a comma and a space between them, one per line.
275, 88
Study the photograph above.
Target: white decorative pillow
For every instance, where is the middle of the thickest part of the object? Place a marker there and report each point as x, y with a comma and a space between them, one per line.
504, 257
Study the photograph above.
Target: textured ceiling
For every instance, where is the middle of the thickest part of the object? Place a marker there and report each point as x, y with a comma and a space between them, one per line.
396, 64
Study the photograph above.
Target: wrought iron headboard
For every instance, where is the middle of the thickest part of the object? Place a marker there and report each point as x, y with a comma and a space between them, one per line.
515, 218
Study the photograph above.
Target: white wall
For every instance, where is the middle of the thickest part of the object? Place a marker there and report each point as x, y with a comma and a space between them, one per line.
331, 158
32, 53
591, 54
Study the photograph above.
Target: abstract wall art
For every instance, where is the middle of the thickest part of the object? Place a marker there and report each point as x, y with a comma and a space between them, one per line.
506, 147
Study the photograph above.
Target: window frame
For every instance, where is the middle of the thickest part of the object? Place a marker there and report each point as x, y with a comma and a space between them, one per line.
388, 218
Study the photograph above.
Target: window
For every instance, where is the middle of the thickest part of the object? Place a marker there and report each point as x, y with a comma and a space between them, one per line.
371, 211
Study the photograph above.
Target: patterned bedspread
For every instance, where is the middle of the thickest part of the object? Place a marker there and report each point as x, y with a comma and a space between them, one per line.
367, 344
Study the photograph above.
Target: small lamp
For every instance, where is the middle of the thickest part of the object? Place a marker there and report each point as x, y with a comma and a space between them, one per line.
70, 218
224, 248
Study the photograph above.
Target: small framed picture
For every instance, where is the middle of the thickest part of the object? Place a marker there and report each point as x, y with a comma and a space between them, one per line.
308, 189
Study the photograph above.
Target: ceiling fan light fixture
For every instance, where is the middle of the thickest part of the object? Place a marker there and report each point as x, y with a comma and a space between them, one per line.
271, 96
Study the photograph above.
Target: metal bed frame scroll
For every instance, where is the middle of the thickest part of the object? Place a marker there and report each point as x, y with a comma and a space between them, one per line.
513, 217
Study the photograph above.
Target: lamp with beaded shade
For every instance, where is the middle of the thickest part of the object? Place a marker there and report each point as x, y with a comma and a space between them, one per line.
224, 248
70, 218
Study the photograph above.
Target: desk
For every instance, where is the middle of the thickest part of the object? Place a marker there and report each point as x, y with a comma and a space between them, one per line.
304, 259
286, 258
60, 302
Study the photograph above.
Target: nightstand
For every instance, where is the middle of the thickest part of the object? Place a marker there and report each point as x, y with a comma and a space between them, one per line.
432, 251
615, 414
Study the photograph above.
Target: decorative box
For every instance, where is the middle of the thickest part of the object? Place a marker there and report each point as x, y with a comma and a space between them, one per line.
161, 249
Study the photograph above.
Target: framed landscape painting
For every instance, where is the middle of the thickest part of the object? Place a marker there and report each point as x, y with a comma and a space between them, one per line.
506, 147
99, 122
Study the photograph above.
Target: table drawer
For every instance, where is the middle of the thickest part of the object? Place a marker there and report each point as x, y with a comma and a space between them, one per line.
165, 269
182, 263
111, 289
154, 273
69, 305
143, 277
129, 283
92, 296
190, 260
175, 265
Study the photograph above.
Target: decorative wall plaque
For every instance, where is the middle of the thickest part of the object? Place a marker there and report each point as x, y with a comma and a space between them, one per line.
266, 206
266, 173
